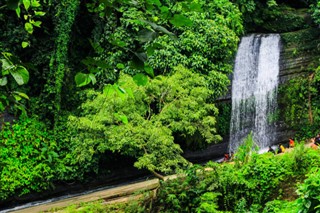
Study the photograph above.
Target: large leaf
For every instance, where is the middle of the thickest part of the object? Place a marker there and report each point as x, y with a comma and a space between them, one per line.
149, 70
24, 44
109, 90
26, 4
28, 27
82, 79
21, 94
3, 81
92, 78
159, 28
2, 108
21, 75
179, 20
141, 56
6, 64
140, 79
146, 35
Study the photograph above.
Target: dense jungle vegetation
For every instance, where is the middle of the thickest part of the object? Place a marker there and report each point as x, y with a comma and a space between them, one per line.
84, 84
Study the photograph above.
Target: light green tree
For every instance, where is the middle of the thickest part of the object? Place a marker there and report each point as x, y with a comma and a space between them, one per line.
141, 121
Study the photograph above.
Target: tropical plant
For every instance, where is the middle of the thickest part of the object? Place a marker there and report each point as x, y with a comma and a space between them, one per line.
309, 192
141, 121
28, 157
13, 74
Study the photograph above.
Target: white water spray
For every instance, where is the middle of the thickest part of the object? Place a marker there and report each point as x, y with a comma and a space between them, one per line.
254, 90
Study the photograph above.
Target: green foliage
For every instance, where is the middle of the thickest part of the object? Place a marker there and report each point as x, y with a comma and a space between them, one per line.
245, 151
309, 192
66, 12
276, 206
141, 121
303, 110
315, 9
29, 158
208, 203
177, 196
12, 75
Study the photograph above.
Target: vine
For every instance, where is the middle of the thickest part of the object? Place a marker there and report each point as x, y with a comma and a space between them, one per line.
65, 16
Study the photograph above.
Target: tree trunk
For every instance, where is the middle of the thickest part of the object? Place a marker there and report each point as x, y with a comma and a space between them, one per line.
157, 175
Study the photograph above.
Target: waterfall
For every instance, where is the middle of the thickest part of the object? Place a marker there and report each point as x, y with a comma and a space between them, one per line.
254, 90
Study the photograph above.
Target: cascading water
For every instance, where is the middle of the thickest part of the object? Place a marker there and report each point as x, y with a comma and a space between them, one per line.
254, 90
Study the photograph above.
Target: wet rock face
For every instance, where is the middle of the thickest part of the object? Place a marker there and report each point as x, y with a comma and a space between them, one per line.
298, 53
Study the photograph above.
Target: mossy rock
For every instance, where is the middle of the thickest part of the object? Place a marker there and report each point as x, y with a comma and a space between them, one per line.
286, 19
278, 19
306, 40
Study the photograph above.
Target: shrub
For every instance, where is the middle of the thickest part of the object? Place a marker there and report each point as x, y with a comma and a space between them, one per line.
309, 192
28, 157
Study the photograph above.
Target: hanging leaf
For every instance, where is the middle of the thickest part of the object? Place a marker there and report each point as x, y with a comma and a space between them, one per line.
82, 79
26, 4
2, 108
16, 97
92, 78
149, 70
39, 13
179, 20
21, 75
21, 94
35, 3
159, 28
37, 23
140, 79
109, 90
122, 90
124, 119
146, 35
18, 11
6, 65
28, 27
24, 44
3, 81
120, 66
141, 56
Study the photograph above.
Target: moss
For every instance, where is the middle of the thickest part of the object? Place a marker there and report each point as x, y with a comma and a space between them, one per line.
286, 19
304, 36
278, 19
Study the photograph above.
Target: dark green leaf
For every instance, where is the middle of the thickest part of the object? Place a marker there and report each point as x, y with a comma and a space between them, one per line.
82, 79
21, 75
146, 35
141, 56
3, 81
179, 20
149, 70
